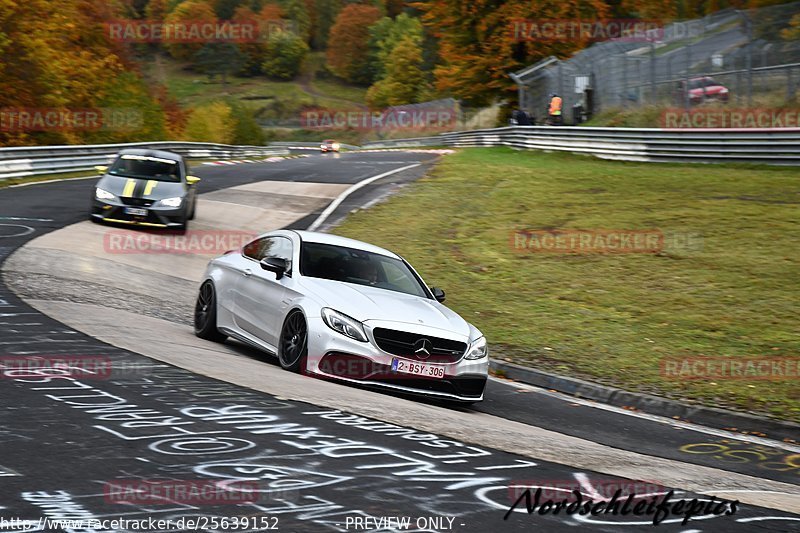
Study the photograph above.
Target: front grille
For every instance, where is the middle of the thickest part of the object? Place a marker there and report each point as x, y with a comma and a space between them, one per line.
137, 202
363, 369
465, 387
405, 344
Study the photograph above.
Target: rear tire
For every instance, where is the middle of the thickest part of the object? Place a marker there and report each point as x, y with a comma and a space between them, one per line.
293, 344
205, 314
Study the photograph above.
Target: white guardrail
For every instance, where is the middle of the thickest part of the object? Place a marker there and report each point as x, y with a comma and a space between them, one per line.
42, 160
295, 145
767, 146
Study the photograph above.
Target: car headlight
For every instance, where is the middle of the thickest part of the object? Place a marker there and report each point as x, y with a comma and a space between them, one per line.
478, 349
349, 327
171, 202
102, 194
723, 91
335, 146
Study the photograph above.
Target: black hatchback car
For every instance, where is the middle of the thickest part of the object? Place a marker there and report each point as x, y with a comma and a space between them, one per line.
145, 188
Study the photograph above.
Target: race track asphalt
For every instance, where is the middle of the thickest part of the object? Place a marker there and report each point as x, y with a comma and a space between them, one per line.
67, 442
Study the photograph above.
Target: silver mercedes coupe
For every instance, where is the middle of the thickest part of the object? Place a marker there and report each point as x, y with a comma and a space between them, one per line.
342, 309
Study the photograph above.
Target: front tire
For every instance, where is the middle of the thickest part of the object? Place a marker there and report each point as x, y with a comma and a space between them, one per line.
205, 314
293, 347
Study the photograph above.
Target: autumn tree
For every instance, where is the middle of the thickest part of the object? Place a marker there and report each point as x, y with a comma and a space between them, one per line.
60, 56
189, 11
156, 10
792, 33
212, 122
478, 48
269, 19
347, 53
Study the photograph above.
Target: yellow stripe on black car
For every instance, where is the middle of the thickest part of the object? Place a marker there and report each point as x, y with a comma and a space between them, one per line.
130, 185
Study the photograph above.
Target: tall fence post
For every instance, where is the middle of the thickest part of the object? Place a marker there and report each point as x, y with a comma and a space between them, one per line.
652, 73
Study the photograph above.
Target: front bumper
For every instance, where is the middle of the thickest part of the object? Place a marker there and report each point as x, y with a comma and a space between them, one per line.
157, 217
335, 356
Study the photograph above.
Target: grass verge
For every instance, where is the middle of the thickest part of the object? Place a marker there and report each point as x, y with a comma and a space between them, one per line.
612, 318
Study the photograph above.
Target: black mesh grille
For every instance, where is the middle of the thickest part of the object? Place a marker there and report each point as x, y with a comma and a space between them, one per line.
405, 344
138, 202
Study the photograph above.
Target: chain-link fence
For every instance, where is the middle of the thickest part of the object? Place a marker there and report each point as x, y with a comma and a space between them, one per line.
745, 58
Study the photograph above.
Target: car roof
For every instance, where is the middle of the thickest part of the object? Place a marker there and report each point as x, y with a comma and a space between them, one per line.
162, 154
336, 240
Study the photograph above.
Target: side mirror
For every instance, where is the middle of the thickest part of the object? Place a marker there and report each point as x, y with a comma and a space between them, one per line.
191, 180
102, 169
275, 264
438, 294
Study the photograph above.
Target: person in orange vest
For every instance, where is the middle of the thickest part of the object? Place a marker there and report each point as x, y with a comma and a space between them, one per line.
554, 112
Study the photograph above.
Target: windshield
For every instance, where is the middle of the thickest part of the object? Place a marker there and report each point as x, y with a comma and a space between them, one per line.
152, 168
705, 82
339, 263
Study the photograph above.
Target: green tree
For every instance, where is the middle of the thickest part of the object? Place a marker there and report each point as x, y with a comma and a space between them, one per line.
212, 122
246, 130
219, 59
130, 114
384, 37
284, 54
325, 15
226, 8
404, 82
297, 12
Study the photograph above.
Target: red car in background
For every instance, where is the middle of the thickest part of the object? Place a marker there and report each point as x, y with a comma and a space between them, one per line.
329, 145
702, 90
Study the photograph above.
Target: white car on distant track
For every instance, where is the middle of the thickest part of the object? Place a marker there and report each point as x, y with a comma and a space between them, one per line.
343, 309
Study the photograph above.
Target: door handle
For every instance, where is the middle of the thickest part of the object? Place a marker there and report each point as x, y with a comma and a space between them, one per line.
247, 272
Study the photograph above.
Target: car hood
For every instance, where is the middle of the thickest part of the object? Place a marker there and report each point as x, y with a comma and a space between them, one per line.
136, 187
372, 304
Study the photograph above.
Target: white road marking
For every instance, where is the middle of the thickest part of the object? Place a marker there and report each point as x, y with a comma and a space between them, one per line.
26, 230
655, 418
341, 198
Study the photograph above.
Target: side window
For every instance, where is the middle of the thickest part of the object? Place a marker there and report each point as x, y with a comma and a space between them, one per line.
253, 249
269, 247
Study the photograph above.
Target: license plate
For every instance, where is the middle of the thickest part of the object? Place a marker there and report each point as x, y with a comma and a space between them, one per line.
418, 369
136, 211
